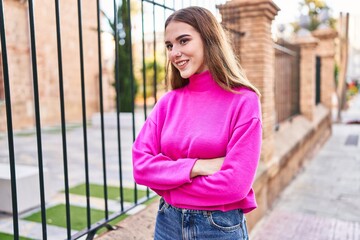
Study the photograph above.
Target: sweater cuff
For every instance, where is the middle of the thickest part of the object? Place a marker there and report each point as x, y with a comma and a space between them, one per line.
187, 168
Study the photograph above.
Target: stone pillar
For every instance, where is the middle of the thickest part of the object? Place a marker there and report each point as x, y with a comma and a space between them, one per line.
250, 22
326, 51
307, 75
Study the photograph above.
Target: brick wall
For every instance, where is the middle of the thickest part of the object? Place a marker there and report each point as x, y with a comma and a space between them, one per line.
256, 55
283, 151
20, 68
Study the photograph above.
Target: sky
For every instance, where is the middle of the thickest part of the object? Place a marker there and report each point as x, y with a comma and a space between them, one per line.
289, 12
290, 9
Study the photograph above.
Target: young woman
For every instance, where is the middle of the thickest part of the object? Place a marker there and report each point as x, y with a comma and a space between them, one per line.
200, 146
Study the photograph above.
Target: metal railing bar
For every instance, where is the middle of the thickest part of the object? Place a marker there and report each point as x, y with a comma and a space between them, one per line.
132, 89
132, 81
285, 50
96, 226
160, 5
154, 65
143, 59
165, 55
117, 84
102, 111
10, 134
37, 117
63, 121
83, 100
286, 86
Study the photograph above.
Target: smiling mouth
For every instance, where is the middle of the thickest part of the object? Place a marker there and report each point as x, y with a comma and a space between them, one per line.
181, 63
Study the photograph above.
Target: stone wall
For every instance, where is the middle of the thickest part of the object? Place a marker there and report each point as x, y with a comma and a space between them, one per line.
20, 68
295, 143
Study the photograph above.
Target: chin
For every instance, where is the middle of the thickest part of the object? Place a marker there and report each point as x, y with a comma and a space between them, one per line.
186, 74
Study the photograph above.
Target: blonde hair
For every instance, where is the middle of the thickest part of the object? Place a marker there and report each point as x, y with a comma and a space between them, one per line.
219, 55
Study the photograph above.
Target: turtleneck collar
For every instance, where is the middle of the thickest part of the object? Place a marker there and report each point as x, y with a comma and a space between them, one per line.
202, 82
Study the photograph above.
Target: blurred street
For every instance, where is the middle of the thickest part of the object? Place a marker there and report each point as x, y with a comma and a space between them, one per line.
322, 202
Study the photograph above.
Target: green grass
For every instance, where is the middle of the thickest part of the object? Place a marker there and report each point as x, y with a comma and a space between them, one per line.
56, 216
5, 236
113, 192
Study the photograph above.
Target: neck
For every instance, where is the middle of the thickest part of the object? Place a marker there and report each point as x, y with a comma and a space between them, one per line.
202, 82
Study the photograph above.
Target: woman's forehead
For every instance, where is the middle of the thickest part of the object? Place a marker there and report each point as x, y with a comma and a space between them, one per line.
175, 29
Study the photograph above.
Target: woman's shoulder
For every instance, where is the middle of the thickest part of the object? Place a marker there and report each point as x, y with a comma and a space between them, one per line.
248, 102
169, 96
166, 101
246, 94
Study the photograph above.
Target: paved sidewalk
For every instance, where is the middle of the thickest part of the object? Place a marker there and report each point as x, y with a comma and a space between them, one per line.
323, 202
138, 227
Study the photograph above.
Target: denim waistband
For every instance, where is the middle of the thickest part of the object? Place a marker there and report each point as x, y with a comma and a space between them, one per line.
184, 210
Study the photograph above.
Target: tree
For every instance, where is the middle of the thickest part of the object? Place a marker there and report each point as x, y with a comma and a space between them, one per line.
149, 73
121, 31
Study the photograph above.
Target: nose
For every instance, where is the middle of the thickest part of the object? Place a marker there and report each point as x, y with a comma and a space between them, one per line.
175, 53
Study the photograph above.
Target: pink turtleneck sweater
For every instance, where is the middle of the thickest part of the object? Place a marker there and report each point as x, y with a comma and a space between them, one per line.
201, 121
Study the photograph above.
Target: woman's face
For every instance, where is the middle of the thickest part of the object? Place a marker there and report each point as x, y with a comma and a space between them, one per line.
185, 48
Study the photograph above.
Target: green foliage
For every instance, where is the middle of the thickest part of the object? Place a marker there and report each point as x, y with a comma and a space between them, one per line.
121, 29
352, 89
149, 73
336, 74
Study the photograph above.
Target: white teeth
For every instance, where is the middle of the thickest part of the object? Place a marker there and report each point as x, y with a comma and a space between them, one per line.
181, 63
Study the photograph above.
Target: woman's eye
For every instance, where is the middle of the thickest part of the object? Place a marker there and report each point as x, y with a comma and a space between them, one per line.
169, 47
183, 41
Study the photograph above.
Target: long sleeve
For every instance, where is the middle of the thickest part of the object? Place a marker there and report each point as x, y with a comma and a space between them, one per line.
201, 121
234, 181
154, 169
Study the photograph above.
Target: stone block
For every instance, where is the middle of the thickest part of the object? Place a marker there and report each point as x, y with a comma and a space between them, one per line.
27, 185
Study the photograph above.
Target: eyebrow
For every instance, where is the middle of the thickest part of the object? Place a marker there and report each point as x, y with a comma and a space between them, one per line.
179, 37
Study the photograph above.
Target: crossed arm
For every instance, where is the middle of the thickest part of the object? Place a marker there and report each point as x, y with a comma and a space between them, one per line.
236, 170
205, 167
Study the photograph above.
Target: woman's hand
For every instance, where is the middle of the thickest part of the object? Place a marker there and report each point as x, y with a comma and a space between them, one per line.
204, 167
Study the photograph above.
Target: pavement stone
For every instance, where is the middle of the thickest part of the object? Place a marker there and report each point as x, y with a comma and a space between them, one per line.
137, 227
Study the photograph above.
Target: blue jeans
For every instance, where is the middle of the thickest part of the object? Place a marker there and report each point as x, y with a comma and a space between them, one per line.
182, 224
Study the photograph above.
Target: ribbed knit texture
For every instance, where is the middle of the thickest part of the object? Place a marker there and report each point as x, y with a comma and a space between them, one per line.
201, 121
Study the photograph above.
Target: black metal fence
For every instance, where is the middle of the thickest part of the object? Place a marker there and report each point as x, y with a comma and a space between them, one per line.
287, 85
2, 92
318, 80
153, 14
